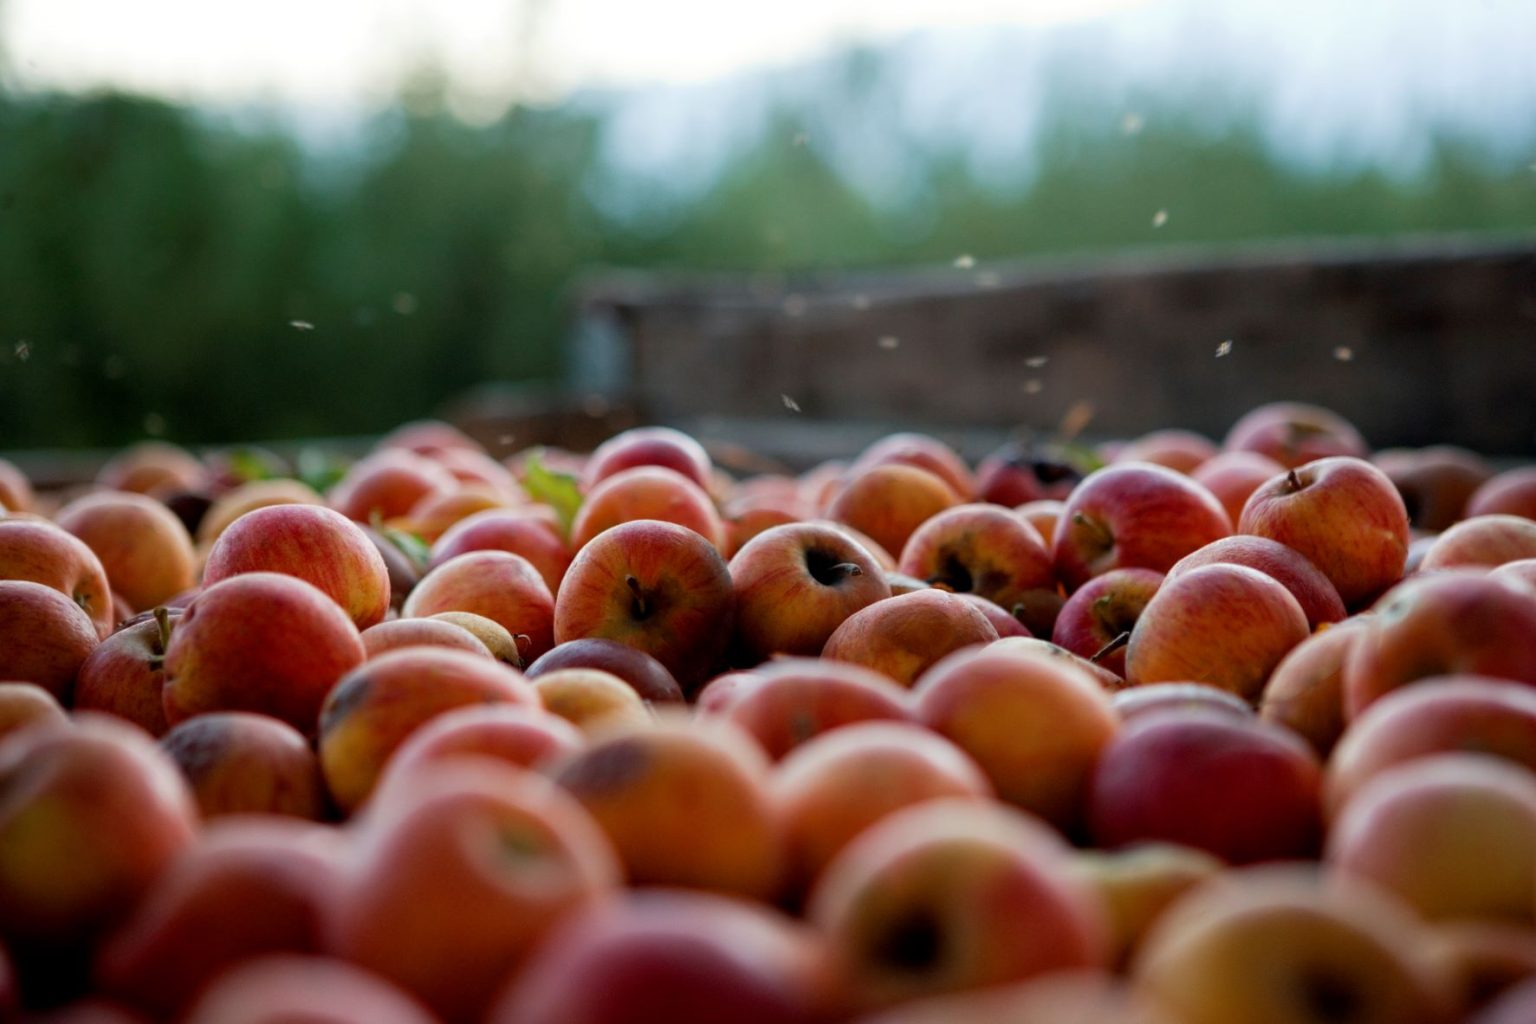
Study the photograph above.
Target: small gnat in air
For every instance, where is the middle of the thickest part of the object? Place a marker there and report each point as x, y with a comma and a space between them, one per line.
1160, 218
1224, 348
1344, 353
965, 261
1132, 124
23, 350
1035, 362
301, 325
790, 403
888, 342
1033, 386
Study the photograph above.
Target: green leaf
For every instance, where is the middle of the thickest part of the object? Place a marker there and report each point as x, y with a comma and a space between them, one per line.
319, 469
249, 465
413, 547
559, 491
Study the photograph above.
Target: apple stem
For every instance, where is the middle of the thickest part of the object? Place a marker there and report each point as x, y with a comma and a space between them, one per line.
163, 620
1292, 481
640, 607
1111, 647
1098, 529
521, 641
842, 569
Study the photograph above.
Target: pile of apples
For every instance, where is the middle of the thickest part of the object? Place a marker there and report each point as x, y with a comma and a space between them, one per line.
1203, 734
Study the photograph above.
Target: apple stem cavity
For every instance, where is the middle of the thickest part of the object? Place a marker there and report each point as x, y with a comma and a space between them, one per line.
828, 573
1292, 482
639, 606
1111, 647
1100, 533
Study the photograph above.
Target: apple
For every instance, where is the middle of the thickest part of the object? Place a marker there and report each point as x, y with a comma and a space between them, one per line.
1318, 597
1296, 947
1485, 959
1134, 515
493, 636
429, 437
1244, 791
522, 735
264, 989
259, 641
1344, 515
1021, 472
436, 511
795, 584
144, 549
44, 637
647, 492
1044, 515
1233, 476
901, 637
1138, 883
155, 468
312, 543
15, 489
1155, 698
948, 895
25, 704
241, 763
1293, 433
988, 551
1183, 451
1097, 619
517, 531
373, 708
1305, 692
40, 552
1445, 624
648, 677
923, 452
387, 484
1512, 492
1005, 624
658, 587
790, 701
592, 700
1520, 573
1486, 540
1435, 482
125, 674
649, 446
1453, 835
890, 501
498, 585
1224, 625
397, 633
248, 497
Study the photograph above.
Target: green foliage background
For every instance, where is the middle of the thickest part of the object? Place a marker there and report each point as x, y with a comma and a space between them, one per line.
154, 259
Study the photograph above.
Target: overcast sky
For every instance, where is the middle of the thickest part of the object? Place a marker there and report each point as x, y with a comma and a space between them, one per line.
333, 52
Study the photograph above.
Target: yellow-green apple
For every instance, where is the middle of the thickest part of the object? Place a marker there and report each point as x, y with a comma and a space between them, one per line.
890, 501
40, 552
658, 587
387, 484
249, 887
1512, 492
1154, 698
248, 497
1305, 692
1242, 790
649, 677
522, 735
1482, 541
649, 446
1318, 597
153, 467
316, 545
1233, 476
90, 814
15, 488
1293, 433
647, 492
1344, 516
1036, 725
44, 637
1180, 450
1440, 715
723, 836
501, 586
397, 633
1454, 835
24, 704
1134, 515
1097, 619
592, 700
1138, 883
901, 637
493, 636
949, 895
924, 452
1044, 515
261, 641
146, 552
508, 529
795, 584
989, 551
237, 762
265, 989
1449, 623
673, 956
374, 707
1017, 473
828, 790
793, 700
1435, 482
1277, 945
1222, 625
437, 511
459, 879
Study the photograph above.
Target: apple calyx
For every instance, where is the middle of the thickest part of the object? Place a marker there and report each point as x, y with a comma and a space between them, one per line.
639, 607
1292, 482
953, 577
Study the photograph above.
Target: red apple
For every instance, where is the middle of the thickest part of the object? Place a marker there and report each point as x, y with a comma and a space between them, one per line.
922, 452
890, 501
241, 763
648, 677
15, 488
902, 636
1097, 620
310, 542
247, 498
41, 552
1435, 482
44, 637
1344, 516
1318, 597
519, 734
1181, 450
795, 584
987, 550
387, 484
502, 587
1155, 698
647, 492
1487, 540
1293, 434
153, 467
1134, 516
792, 700
397, 633
125, 674
1017, 473
1233, 476
1005, 624
649, 446
144, 549
26, 704
655, 586
1512, 492
433, 438
517, 531
1305, 692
